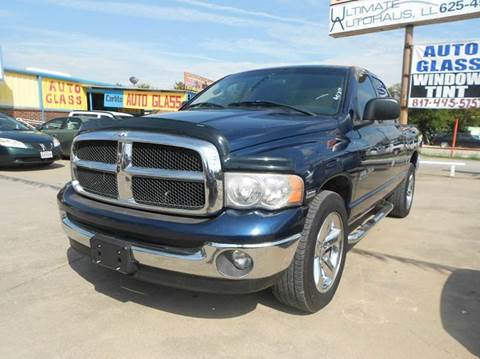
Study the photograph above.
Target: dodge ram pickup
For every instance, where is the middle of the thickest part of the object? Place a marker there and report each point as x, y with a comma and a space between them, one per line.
264, 179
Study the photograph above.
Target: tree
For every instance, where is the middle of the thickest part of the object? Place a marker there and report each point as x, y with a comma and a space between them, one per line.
144, 85
395, 91
432, 121
180, 85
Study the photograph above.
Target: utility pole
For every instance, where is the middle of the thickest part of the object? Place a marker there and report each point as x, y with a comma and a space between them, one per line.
407, 61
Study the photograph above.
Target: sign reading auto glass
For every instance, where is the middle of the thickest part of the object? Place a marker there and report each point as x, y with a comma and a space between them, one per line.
153, 101
63, 95
446, 75
352, 17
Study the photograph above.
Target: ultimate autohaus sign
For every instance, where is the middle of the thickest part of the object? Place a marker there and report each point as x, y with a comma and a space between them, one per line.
363, 16
446, 75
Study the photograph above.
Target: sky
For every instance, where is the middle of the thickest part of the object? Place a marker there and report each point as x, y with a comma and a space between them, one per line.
156, 41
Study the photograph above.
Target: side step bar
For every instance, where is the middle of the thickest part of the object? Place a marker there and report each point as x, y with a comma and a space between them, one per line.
361, 231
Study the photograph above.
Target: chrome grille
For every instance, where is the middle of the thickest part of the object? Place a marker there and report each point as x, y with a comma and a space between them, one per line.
98, 151
43, 146
168, 193
100, 183
150, 155
155, 172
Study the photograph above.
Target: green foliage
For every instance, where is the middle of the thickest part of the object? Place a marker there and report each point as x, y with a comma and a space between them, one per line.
430, 122
179, 86
144, 85
395, 91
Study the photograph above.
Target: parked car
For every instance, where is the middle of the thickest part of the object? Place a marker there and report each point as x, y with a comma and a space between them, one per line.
100, 114
464, 139
66, 128
263, 180
21, 145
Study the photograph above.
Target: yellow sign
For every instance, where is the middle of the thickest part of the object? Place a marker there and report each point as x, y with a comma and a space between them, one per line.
64, 95
160, 101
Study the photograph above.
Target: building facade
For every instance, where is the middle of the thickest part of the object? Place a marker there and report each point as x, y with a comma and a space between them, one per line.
36, 97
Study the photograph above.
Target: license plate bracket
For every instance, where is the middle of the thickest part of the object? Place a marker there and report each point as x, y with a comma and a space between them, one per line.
112, 253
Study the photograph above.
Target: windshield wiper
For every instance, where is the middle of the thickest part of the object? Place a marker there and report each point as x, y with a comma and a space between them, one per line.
205, 104
261, 103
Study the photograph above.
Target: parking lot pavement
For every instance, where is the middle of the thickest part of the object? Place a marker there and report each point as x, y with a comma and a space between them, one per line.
471, 168
55, 175
411, 288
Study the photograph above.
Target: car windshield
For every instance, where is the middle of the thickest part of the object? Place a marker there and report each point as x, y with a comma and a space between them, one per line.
7, 123
309, 90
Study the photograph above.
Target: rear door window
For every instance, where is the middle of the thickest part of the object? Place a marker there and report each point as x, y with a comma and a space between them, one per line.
73, 123
55, 124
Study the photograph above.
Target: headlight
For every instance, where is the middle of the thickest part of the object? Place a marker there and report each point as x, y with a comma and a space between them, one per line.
262, 190
56, 142
8, 142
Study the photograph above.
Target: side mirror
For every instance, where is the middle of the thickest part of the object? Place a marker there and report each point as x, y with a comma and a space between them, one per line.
39, 127
381, 109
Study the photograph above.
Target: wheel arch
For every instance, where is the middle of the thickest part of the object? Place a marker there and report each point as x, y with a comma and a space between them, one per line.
340, 184
414, 159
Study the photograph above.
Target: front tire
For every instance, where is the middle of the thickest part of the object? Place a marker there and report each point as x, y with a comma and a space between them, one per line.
402, 197
312, 278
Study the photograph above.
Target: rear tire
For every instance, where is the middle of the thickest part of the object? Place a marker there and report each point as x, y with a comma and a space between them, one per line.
312, 278
402, 197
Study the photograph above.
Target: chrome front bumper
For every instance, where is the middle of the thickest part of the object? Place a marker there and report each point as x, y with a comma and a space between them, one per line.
268, 258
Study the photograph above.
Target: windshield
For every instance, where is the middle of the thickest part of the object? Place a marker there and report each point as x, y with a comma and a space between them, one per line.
315, 90
7, 123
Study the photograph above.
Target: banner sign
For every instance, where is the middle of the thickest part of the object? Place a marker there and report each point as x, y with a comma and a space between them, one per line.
113, 98
445, 75
160, 101
63, 95
196, 83
363, 16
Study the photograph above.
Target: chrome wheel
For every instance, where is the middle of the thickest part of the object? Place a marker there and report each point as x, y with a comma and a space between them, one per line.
328, 252
410, 190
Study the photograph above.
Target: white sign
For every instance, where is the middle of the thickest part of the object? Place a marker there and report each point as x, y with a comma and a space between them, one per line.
445, 75
364, 16
1, 65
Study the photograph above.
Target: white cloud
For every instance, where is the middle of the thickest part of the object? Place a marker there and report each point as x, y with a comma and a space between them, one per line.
250, 46
244, 12
107, 60
153, 12
5, 13
280, 42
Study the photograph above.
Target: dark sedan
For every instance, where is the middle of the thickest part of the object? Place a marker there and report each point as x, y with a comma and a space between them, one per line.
20, 144
464, 139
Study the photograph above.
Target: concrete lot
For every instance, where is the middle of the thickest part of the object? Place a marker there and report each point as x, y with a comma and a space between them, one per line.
410, 289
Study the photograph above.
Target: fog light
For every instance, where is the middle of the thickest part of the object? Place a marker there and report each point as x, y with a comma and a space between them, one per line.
241, 260
234, 264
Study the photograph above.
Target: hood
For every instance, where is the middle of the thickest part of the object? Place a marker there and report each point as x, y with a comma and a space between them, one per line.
27, 136
246, 128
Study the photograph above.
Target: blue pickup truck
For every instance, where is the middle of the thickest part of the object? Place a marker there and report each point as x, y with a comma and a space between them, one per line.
264, 179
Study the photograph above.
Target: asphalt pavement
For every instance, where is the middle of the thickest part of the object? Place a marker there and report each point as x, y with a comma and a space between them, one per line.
410, 289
